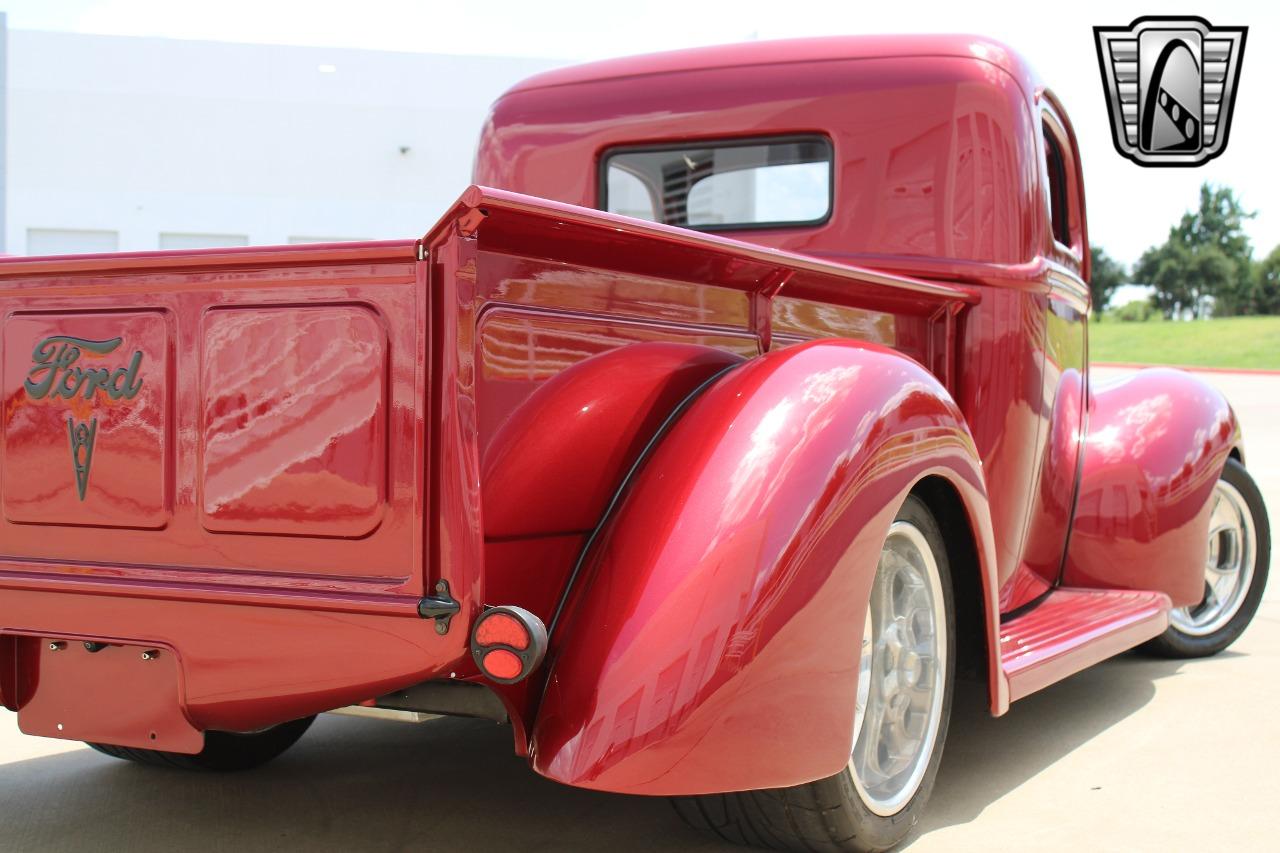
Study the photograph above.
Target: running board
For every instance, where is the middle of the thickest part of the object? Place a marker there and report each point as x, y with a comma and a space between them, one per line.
1071, 629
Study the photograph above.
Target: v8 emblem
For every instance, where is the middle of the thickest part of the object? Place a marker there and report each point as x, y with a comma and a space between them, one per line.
81, 436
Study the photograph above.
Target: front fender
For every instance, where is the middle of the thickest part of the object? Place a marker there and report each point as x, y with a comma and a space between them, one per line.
712, 644
1158, 441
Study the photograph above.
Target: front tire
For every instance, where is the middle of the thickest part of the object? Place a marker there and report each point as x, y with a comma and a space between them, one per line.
223, 751
1235, 572
905, 685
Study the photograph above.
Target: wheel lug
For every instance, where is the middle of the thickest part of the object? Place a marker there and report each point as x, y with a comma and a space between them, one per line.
910, 669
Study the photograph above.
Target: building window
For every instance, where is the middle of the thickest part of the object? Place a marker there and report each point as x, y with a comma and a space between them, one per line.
175, 240
67, 241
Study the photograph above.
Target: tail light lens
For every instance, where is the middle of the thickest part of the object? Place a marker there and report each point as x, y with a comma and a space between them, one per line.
508, 643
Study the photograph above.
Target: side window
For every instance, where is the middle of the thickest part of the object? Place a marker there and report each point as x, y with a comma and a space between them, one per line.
1057, 189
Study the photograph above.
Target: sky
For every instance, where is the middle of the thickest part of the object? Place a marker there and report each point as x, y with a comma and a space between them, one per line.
1130, 207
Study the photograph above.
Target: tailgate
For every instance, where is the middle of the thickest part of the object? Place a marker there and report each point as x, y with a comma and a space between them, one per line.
252, 418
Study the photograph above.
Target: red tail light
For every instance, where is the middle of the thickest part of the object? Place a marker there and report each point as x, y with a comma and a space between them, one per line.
502, 665
501, 628
508, 643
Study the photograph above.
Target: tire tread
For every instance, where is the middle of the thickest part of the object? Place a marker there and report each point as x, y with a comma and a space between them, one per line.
1177, 645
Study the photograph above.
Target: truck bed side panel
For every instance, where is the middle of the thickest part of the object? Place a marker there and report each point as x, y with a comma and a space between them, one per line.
237, 420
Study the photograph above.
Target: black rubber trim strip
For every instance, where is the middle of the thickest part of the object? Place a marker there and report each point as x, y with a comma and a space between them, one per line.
644, 454
1086, 424
1024, 609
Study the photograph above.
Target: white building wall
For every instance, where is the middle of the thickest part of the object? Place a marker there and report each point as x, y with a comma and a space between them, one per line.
257, 144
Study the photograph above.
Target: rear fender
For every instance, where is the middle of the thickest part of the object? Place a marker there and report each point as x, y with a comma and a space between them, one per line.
554, 463
1158, 441
712, 643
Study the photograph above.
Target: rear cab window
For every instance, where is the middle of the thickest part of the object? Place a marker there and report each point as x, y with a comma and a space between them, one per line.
722, 186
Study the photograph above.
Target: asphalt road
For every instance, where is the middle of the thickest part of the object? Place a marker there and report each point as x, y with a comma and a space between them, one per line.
1134, 754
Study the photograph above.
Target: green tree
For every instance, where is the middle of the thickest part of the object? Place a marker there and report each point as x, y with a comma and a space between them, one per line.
1106, 274
1266, 284
1185, 279
1206, 260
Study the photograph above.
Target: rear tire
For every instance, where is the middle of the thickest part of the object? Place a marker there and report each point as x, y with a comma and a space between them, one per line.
1235, 577
844, 812
223, 751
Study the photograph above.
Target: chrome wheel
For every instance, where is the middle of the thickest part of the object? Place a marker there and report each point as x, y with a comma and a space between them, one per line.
1228, 571
902, 673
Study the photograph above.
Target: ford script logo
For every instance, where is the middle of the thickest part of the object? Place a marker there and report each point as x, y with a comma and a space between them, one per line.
55, 372
58, 373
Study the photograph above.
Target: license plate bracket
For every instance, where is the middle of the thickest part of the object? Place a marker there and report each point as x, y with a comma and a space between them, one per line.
105, 692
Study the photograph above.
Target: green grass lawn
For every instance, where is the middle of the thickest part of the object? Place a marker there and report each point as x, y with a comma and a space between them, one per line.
1228, 342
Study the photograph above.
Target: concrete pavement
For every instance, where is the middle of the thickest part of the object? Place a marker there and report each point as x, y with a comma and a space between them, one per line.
1135, 754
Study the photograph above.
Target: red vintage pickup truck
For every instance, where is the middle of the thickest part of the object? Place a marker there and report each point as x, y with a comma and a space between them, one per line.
739, 409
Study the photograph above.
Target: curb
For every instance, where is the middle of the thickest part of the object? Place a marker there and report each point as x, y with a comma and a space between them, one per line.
1245, 371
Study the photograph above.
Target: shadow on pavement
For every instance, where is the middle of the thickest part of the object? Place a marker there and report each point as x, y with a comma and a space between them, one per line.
987, 757
348, 785
455, 785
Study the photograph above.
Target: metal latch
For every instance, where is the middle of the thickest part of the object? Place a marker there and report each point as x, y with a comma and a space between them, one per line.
441, 607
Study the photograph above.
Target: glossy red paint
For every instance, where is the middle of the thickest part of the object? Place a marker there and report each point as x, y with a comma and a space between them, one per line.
532, 338
305, 473
736, 567
542, 485
530, 571
1075, 628
141, 709
1054, 494
247, 661
539, 482
1158, 441
255, 521
324, 435
325, 420
936, 147
947, 184
51, 386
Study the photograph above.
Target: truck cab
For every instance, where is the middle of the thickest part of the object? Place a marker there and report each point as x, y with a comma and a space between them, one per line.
941, 158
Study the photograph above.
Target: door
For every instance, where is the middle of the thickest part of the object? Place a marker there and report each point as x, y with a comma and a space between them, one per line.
1064, 374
